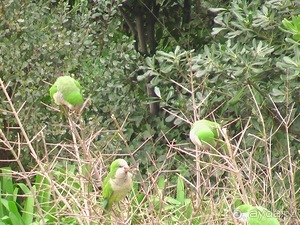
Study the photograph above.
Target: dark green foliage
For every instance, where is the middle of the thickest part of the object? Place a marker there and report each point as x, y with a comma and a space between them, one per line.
246, 62
40, 42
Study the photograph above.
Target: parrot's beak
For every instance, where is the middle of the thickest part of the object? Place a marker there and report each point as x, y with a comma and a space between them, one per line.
126, 169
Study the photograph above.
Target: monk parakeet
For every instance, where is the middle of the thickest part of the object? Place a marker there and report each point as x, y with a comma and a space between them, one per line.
117, 183
66, 92
204, 133
255, 215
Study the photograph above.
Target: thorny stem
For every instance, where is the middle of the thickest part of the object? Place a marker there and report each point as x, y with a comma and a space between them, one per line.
85, 171
236, 172
33, 153
267, 148
80, 166
84, 145
198, 152
14, 112
287, 123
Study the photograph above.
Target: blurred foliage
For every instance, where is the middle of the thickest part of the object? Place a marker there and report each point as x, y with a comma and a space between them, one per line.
39, 42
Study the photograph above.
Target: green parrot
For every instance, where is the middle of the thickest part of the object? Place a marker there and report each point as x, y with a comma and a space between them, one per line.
255, 215
116, 184
66, 92
204, 133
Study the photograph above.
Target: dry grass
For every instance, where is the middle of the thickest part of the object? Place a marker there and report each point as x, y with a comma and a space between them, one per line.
222, 177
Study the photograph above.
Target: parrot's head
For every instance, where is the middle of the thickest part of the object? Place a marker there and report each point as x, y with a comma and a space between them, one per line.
241, 213
120, 168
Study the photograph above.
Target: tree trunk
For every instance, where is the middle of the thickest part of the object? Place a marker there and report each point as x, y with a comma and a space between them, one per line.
141, 19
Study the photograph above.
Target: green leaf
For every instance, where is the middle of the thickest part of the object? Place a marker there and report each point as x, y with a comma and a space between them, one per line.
277, 92
170, 118
15, 194
180, 195
157, 91
28, 213
217, 10
161, 182
178, 121
28, 207
172, 201
43, 192
7, 186
15, 219
142, 77
14, 213
217, 30
237, 97
166, 68
167, 55
170, 94
2, 210
4, 203
296, 37
288, 60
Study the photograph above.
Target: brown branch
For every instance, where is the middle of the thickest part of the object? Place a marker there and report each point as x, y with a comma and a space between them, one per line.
141, 32
151, 18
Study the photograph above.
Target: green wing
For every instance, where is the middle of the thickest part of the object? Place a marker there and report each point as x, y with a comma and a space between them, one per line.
213, 126
74, 98
53, 90
71, 91
206, 135
107, 193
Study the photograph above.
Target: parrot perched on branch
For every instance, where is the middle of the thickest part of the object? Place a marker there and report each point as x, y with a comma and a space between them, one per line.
205, 133
116, 184
66, 91
255, 215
